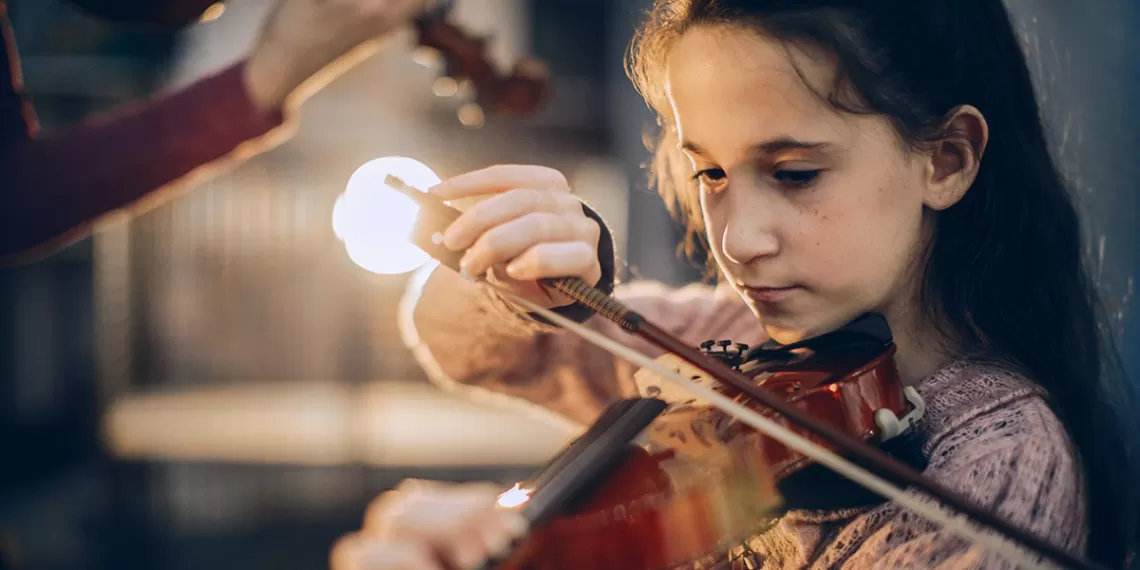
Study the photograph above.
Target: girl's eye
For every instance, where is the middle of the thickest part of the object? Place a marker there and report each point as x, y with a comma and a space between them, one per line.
796, 178
710, 176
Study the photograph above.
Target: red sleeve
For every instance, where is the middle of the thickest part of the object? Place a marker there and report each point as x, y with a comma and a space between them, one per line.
53, 187
16, 117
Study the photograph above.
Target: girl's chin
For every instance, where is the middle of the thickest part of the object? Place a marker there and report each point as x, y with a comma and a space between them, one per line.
786, 329
786, 336
783, 332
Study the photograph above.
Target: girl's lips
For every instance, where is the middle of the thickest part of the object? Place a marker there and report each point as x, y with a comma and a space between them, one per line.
770, 294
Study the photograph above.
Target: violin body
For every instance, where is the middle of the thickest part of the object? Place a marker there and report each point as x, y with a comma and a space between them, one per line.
845, 391
639, 518
464, 58
703, 482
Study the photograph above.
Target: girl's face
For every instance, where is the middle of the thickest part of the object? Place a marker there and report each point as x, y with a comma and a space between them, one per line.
815, 216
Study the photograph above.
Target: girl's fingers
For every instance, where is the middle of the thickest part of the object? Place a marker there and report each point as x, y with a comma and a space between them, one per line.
503, 208
461, 525
408, 494
500, 178
430, 511
505, 242
424, 512
512, 210
487, 536
424, 525
358, 552
560, 259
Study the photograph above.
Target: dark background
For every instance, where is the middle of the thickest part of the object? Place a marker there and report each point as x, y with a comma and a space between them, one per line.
66, 502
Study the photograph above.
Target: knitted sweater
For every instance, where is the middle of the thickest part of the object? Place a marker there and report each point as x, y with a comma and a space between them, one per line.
988, 432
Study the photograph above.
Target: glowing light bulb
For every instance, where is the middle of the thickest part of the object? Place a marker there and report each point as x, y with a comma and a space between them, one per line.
375, 222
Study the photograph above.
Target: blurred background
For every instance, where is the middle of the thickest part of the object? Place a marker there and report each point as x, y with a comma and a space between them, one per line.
217, 384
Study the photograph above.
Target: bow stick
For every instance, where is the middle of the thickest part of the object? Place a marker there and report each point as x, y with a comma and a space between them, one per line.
868, 457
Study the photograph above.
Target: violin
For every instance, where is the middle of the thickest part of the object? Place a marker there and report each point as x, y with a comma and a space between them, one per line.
846, 378
470, 74
705, 482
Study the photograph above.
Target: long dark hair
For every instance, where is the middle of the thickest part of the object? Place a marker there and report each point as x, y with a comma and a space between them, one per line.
1004, 273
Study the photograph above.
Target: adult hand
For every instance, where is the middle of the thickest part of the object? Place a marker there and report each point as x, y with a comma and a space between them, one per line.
304, 44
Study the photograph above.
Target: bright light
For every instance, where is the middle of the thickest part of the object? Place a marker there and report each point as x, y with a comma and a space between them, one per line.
375, 222
212, 13
514, 497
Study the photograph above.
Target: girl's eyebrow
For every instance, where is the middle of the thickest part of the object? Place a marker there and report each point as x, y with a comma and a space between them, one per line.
771, 146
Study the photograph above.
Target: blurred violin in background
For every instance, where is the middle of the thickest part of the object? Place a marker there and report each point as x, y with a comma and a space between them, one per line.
469, 74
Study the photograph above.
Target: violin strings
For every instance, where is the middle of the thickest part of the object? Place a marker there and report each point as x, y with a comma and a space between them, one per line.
920, 505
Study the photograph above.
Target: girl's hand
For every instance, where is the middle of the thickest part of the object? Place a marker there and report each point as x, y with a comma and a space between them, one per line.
528, 226
424, 525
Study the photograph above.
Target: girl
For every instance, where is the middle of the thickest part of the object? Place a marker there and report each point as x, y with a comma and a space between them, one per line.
835, 158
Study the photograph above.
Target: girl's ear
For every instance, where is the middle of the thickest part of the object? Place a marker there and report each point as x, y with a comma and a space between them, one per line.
955, 158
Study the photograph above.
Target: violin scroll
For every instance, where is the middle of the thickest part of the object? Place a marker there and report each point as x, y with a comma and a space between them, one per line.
469, 74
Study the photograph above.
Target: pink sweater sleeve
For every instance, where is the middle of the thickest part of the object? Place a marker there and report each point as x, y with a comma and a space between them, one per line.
52, 187
466, 336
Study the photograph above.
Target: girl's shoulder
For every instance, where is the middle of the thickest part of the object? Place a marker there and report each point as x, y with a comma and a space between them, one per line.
991, 435
987, 407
